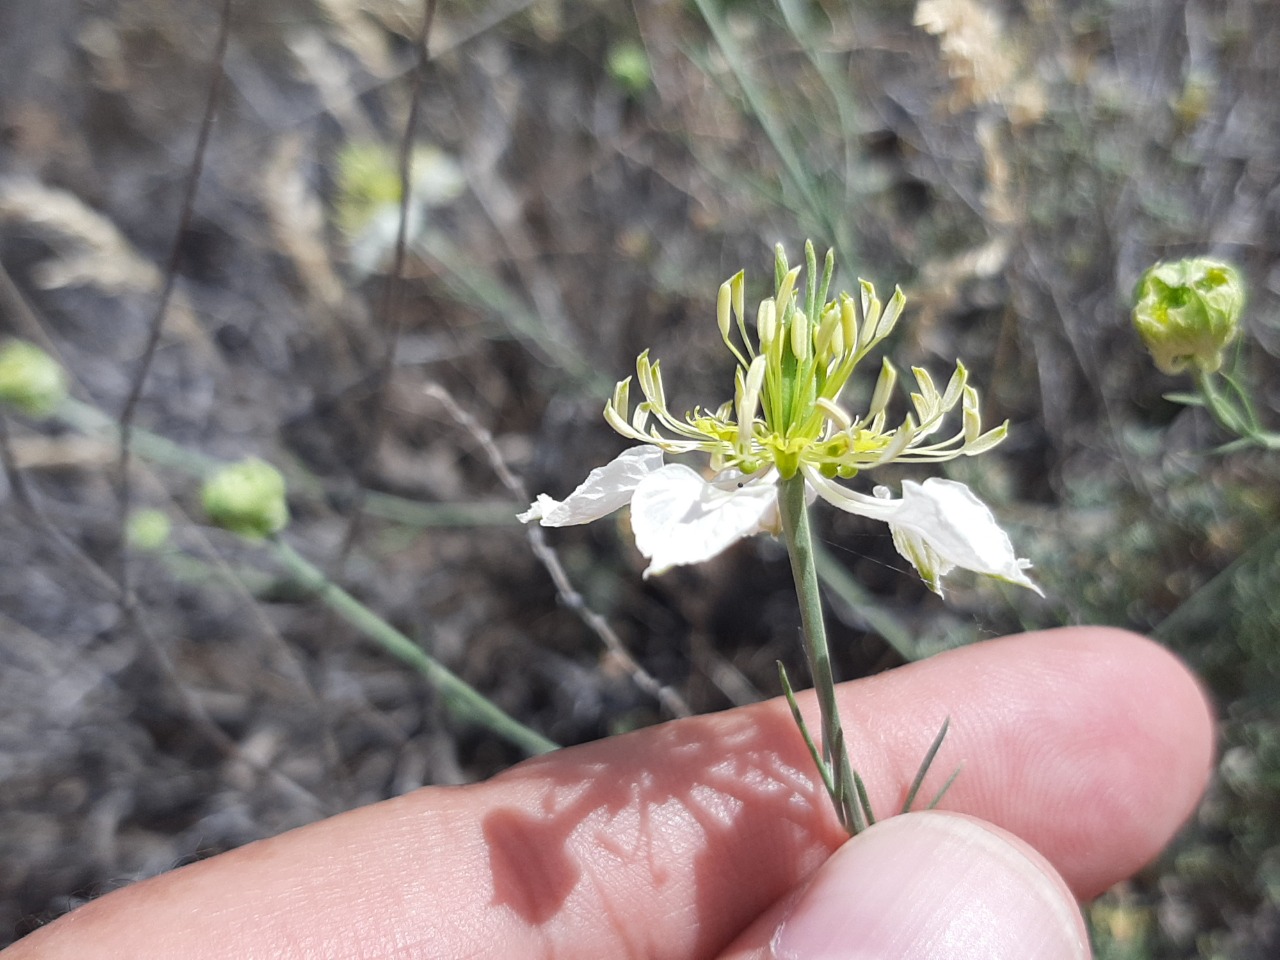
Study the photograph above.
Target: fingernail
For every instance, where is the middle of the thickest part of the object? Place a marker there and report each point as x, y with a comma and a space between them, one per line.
933, 886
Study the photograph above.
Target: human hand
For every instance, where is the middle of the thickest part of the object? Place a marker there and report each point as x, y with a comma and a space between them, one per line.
1082, 751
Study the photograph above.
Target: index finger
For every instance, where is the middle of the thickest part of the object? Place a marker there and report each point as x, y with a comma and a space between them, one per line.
1092, 745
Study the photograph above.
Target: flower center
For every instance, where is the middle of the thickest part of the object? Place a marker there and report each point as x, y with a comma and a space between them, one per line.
790, 376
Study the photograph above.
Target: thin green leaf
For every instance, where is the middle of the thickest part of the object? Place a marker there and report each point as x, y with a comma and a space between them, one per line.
945, 787
790, 694
846, 786
925, 764
864, 800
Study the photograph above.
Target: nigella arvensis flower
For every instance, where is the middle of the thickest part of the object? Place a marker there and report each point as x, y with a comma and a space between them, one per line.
788, 416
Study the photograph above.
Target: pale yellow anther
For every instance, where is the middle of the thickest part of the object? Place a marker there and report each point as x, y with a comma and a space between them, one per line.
849, 321
755, 378
828, 330
837, 336
640, 419
618, 421
834, 413
800, 335
891, 314
749, 401
767, 323
659, 396
871, 308
951, 396
972, 418
739, 295
900, 440
644, 374
926, 402
785, 289
986, 441
927, 387
724, 302
884, 389
622, 396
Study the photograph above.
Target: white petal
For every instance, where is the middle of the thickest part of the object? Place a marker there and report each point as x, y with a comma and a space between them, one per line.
940, 524
679, 518
937, 525
850, 501
928, 563
605, 490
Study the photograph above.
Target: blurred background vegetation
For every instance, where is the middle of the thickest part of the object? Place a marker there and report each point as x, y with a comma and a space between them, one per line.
585, 174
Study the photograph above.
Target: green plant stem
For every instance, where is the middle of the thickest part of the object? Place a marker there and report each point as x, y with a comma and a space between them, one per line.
460, 698
795, 527
92, 422
796, 172
1238, 415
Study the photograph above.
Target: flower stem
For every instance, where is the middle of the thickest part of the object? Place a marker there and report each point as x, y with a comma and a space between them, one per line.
1236, 415
460, 698
834, 762
92, 422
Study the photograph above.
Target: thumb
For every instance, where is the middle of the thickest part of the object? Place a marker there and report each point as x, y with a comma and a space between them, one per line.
925, 886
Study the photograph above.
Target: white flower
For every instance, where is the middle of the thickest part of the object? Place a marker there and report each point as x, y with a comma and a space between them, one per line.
787, 417
679, 518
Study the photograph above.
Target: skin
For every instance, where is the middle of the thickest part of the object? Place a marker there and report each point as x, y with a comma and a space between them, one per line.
1090, 746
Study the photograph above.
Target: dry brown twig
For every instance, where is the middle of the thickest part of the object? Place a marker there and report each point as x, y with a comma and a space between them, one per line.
121, 583
550, 560
185, 216
388, 310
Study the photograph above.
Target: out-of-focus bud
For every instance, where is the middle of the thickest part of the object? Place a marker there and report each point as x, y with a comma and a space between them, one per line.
148, 529
30, 379
247, 498
629, 67
1188, 312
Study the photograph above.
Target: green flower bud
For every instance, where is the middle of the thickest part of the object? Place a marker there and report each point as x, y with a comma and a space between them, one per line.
629, 67
1187, 312
30, 379
247, 498
148, 529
